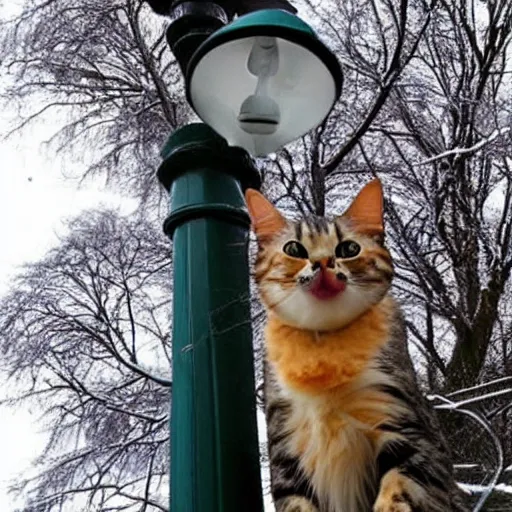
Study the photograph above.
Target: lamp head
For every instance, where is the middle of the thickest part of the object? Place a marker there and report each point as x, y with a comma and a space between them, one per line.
263, 80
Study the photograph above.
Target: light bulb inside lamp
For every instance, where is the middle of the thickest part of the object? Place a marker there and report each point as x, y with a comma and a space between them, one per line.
259, 113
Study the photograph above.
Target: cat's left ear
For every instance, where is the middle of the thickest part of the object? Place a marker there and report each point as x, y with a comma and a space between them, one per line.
265, 218
367, 210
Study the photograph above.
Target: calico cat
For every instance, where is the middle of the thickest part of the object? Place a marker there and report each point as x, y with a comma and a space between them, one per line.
348, 428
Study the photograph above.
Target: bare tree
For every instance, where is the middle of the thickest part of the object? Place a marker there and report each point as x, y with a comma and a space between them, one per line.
84, 333
375, 41
99, 73
451, 143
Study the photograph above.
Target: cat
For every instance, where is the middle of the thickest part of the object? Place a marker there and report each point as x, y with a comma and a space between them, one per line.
348, 428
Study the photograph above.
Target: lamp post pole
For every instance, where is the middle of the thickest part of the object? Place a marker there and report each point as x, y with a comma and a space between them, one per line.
214, 441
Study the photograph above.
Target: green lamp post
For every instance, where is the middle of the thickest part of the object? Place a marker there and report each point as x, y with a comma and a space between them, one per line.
259, 82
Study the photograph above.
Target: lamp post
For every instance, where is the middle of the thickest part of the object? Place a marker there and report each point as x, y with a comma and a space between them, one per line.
258, 82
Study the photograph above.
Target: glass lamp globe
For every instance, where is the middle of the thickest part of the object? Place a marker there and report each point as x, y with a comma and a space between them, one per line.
263, 80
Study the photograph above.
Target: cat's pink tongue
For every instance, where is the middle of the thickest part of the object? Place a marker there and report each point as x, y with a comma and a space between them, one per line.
326, 285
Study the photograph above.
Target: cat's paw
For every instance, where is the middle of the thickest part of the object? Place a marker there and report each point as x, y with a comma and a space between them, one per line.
395, 504
397, 493
295, 504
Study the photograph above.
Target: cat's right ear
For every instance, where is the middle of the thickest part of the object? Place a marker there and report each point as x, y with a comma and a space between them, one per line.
265, 218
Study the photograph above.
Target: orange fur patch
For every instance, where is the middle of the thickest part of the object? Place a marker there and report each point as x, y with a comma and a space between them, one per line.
317, 362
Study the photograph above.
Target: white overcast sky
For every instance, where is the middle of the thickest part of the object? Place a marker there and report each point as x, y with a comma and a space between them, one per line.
35, 199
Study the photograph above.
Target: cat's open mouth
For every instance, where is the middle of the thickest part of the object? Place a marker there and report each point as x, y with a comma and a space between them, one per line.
326, 285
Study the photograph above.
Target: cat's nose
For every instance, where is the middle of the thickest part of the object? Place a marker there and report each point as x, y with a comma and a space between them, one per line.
323, 263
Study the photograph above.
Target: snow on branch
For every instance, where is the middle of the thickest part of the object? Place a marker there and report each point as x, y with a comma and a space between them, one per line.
462, 151
450, 404
456, 405
480, 386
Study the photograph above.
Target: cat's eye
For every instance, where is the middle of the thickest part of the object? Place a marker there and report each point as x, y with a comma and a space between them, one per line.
295, 250
347, 249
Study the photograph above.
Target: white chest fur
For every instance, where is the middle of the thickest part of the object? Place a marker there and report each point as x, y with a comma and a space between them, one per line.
337, 442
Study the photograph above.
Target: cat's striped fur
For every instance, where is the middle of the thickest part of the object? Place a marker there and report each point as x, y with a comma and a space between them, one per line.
348, 429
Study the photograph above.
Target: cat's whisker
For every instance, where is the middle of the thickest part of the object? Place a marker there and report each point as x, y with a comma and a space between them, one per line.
281, 302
